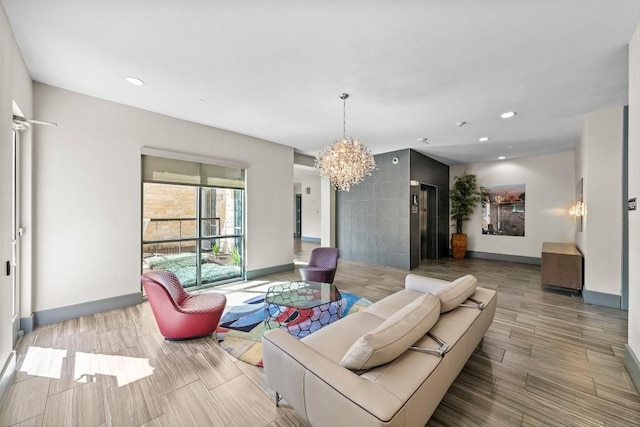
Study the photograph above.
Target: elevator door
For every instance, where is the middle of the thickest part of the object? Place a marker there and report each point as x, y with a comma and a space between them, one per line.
428, 221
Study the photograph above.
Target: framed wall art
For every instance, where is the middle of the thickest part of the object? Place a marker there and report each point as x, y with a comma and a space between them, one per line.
503, 210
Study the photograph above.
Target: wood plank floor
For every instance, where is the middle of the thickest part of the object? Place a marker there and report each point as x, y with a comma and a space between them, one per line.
548, 359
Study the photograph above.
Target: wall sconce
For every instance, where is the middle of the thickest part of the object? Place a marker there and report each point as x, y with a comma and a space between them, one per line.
577, 210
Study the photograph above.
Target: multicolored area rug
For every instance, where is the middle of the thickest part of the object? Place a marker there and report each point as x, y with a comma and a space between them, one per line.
241, 327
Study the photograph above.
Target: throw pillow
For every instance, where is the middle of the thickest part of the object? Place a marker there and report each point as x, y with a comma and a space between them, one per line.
395, 335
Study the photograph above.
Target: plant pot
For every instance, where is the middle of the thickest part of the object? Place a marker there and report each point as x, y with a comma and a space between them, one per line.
458, 245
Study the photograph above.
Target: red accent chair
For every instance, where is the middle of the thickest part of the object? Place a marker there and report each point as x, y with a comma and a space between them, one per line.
179, 314
323, 263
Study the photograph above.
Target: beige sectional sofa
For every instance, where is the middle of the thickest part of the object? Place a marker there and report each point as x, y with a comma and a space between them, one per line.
389, 365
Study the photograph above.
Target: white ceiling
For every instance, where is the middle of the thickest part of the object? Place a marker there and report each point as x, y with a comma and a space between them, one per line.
275, 69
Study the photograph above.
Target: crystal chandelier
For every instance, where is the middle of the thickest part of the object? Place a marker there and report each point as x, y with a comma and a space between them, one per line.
347, 161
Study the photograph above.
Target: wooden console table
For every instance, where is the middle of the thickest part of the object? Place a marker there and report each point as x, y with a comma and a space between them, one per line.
561, 266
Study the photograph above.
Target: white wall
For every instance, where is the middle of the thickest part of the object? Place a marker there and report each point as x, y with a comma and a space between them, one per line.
328, 214
311, 206
599, 162
550, 189
15, 86
88, 193
581, 150
634, 191
327, 200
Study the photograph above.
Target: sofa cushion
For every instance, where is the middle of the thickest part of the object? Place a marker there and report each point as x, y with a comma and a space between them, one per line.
335, 339
456, 292
389, 305
451, 294
395, 335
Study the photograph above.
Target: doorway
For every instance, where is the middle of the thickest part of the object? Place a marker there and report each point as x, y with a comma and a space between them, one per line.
298, 231
428, 218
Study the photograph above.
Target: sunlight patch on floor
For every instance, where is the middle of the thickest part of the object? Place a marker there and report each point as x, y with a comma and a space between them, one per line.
43, 362
47, 362
125, 369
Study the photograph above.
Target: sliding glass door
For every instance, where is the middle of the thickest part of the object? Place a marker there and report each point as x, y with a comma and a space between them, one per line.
221, 233
194, 230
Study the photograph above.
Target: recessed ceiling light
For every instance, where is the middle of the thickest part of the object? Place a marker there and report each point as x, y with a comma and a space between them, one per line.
135, 81
423, 140
483, 139
501, 158
461, 123
508, 114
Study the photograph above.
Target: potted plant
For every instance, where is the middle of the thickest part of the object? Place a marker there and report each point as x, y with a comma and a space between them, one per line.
464, 196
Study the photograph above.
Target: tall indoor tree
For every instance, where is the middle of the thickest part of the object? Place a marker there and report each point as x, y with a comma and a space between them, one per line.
465, 195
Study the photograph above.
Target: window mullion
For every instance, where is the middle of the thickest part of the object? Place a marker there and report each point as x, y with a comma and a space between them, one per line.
199, 237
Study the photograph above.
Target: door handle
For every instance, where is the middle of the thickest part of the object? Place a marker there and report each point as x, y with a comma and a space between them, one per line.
8, 268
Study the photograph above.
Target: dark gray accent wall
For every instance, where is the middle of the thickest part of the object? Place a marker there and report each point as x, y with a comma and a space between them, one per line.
374, 220
373, 217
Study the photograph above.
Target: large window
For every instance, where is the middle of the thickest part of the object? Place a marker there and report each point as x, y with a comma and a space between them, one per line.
193, 220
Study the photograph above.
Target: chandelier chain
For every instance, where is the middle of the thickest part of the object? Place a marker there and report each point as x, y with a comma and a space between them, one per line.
344, 117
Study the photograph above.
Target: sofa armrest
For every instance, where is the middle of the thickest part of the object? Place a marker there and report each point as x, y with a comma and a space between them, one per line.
297, 372
423, 284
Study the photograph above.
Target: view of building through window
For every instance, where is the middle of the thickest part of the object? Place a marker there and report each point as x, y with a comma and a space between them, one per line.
194, 231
